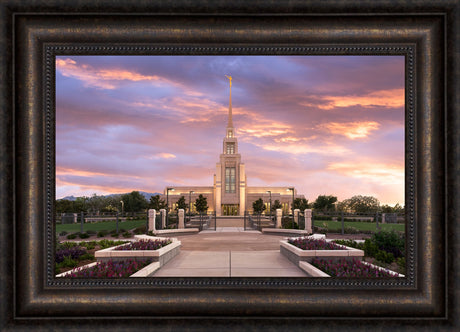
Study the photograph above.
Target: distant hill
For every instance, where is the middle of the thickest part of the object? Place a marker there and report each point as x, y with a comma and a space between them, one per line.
143, 193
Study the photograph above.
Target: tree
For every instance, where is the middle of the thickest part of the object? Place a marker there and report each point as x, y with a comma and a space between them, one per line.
157, 203
181, 204
134, 202
201, 204
258, 206
301, 204
325, 203
276, 205
362, 204
81, 204
64, 206
392, 209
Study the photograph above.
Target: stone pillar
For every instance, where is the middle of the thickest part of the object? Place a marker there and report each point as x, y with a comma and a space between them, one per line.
69, 218
163, 218
181, 215
279, 215
152, 215
296, 216
308, 225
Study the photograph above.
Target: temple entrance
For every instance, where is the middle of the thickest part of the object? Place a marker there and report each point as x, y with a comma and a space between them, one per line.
230, 209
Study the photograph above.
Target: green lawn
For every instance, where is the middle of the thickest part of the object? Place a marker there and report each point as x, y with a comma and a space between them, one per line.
362, 226
99, 226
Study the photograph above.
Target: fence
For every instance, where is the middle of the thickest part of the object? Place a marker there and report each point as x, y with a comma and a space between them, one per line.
258, 221
204, 221
90, 217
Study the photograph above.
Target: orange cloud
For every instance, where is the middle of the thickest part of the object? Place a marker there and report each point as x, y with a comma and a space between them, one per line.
383, 98
77, 172
352, 130
163, 155
101, 78
387, 174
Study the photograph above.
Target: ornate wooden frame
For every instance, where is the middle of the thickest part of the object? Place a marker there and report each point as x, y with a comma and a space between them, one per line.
33, 32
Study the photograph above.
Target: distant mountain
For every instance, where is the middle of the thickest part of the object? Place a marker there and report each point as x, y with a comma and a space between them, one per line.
143, 193
69, 198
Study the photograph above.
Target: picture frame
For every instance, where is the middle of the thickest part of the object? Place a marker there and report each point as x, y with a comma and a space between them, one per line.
33, 33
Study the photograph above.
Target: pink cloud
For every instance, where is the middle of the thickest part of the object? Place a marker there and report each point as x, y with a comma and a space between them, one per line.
352, 130
101, 78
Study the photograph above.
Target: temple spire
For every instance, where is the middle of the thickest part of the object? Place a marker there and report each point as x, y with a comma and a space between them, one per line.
230, 120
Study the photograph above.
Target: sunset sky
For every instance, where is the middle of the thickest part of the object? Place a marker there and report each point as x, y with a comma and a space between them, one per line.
330, 125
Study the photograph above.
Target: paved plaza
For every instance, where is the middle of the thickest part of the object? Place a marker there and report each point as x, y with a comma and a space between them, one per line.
230, 252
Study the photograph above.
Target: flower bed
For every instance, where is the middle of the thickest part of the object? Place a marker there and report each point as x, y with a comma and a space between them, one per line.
73, 253
306, 243
144, 245
138, 250
350, 268
109, 269
293, 250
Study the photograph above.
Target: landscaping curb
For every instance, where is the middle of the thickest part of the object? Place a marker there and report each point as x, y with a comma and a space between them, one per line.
162, 255
297, 255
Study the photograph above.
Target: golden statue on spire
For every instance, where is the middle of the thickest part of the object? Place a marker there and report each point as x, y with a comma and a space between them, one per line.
230, 79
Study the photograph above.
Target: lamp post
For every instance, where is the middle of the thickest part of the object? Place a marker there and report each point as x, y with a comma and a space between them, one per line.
122, 207
268, 191
292, 189
167, 203
190, 203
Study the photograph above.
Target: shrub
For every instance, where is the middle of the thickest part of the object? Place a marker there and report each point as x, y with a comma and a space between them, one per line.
321, 230
350, 243
91, 232
64, 245
86, 256
73, 253
83, 235
385, 257
115, 234
306, 243
144, 245
127, 234
288, 223
401, 261
350, 230
109, 243
140, 230
63, 233
67, 262
391, 242
88, 245
102, 233
71, 236
370, 248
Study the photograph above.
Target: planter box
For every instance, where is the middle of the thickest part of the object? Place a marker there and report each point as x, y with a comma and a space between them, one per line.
180, 231
296, 255
162, 255
144, 272
285, 232
383, 269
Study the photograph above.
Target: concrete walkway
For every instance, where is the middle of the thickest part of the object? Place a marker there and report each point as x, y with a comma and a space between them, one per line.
230, 264
230, 252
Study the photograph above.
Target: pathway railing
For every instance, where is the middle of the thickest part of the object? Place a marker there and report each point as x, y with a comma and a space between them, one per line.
204, 221
258, 221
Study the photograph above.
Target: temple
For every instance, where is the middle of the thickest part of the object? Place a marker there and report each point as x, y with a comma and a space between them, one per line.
230, 194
